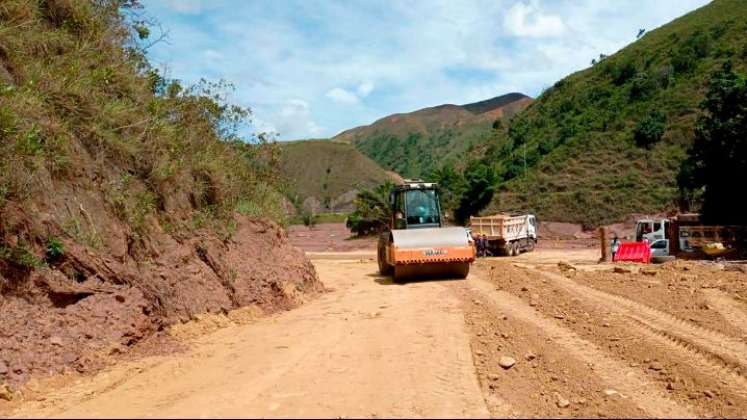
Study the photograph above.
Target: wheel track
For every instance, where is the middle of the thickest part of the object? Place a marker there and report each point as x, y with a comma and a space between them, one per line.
729, 308
714, 353
611, 371
705, 362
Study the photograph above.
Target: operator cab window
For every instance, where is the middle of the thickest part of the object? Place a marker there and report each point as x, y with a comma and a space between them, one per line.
422, 207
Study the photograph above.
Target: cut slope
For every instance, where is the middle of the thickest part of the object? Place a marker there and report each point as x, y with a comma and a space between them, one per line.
325, 174
573, 155
412, 144
118, 193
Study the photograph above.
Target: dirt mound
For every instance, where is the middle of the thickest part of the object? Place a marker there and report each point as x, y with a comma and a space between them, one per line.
89, 305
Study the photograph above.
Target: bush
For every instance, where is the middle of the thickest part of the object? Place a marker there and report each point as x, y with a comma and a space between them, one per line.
55, 249
649, 130
372, 212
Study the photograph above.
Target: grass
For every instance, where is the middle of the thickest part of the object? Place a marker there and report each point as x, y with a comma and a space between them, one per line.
80, 106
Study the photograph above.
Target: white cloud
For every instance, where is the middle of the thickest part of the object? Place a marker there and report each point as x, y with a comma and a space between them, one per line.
526, 20
342, 96
301, 65
294, 120
365, 88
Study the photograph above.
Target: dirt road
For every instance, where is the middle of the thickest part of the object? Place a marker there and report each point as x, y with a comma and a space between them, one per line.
666, 341
368, 348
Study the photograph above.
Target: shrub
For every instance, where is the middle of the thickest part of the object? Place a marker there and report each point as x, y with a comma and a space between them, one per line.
649, 130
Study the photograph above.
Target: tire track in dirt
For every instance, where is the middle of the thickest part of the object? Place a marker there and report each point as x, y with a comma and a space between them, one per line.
645, 395
728, 307
712, 352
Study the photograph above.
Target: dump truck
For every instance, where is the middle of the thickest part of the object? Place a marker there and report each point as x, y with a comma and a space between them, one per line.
507, 234
417, 243
693, 237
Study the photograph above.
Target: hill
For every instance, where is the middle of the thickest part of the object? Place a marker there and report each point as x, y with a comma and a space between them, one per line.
323, 174
608, 141
127, 202
413, 144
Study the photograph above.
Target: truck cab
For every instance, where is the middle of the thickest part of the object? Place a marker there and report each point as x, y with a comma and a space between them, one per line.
651, 230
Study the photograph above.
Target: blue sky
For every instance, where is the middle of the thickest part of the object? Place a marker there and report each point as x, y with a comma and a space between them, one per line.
312, 68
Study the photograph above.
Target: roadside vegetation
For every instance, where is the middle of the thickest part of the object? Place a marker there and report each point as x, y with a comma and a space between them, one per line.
81, 109
718, 157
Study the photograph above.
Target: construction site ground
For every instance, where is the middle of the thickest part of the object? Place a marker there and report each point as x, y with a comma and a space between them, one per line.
550, 333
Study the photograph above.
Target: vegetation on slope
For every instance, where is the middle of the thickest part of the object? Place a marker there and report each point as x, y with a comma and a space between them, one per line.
79, 104
416, 143
609, 141
719, 154
325, 170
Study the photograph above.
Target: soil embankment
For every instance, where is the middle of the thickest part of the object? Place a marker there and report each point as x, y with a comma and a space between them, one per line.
89, 305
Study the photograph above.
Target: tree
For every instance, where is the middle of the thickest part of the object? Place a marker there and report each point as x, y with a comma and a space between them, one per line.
649, 130
640, 33
451, 186
481, 181
372, 212
718, 157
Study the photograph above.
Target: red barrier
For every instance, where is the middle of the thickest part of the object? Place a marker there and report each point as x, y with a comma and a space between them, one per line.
634, 252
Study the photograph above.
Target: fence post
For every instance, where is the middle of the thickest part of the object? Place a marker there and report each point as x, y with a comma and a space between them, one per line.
603, 239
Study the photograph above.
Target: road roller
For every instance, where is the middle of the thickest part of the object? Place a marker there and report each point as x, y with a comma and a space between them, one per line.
417, 244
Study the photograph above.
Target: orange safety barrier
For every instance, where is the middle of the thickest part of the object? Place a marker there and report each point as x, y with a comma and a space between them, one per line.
634, 252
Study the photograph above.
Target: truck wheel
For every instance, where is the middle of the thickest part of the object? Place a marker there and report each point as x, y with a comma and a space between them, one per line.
517, 248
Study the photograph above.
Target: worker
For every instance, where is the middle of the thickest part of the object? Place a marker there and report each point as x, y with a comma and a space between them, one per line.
480, 242
615, 246
484, 240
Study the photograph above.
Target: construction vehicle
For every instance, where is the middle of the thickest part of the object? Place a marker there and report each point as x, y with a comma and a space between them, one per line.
507, 235
693, 238
417, 244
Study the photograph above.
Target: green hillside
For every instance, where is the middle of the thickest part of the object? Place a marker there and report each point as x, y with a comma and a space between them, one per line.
413, 144
608, 141
327, 172
86, 122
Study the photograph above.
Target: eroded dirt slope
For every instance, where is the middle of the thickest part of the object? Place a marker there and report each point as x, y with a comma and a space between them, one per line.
90, 304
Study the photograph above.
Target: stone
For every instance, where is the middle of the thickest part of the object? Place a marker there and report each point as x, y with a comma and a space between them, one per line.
648, 272
55, 340
506, 362
530, 356
610, 392
656, 366
562, 402
709, 394
621, 270
493, 376
6, 393
3, 368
